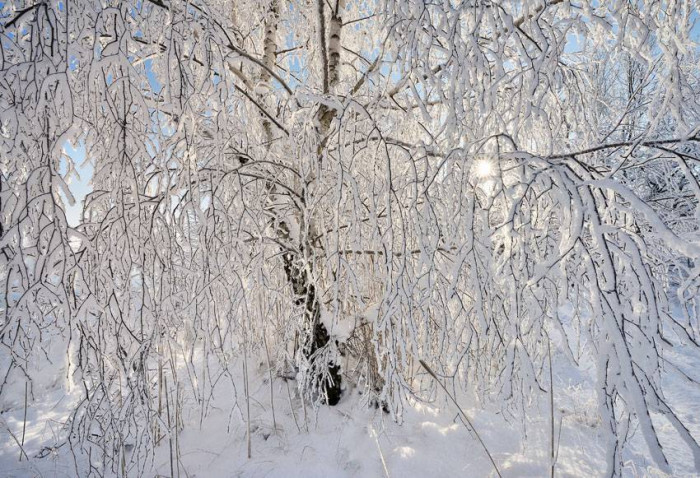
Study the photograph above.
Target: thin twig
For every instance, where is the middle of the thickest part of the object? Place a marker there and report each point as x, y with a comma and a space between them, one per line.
24, 423
381, 455
464, 415
552, 456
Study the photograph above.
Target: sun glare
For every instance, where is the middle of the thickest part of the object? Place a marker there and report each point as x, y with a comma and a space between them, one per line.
483, 168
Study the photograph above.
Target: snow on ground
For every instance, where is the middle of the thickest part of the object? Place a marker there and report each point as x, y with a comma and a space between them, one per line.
353, 440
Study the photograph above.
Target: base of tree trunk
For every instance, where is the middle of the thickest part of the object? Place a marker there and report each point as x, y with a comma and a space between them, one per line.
331, 388
319, 338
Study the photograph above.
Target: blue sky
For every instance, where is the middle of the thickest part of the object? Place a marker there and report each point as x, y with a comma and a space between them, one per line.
80, 183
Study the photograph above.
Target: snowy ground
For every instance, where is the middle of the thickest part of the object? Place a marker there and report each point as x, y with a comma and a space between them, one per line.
352, 440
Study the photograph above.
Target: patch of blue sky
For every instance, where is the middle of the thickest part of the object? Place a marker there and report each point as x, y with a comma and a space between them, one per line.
574, 42
153, 82
78, 178
695, 27
296, 73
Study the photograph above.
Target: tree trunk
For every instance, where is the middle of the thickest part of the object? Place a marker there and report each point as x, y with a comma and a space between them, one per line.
317, 337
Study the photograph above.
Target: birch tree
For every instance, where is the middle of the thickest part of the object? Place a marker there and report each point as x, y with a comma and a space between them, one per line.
353, 186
